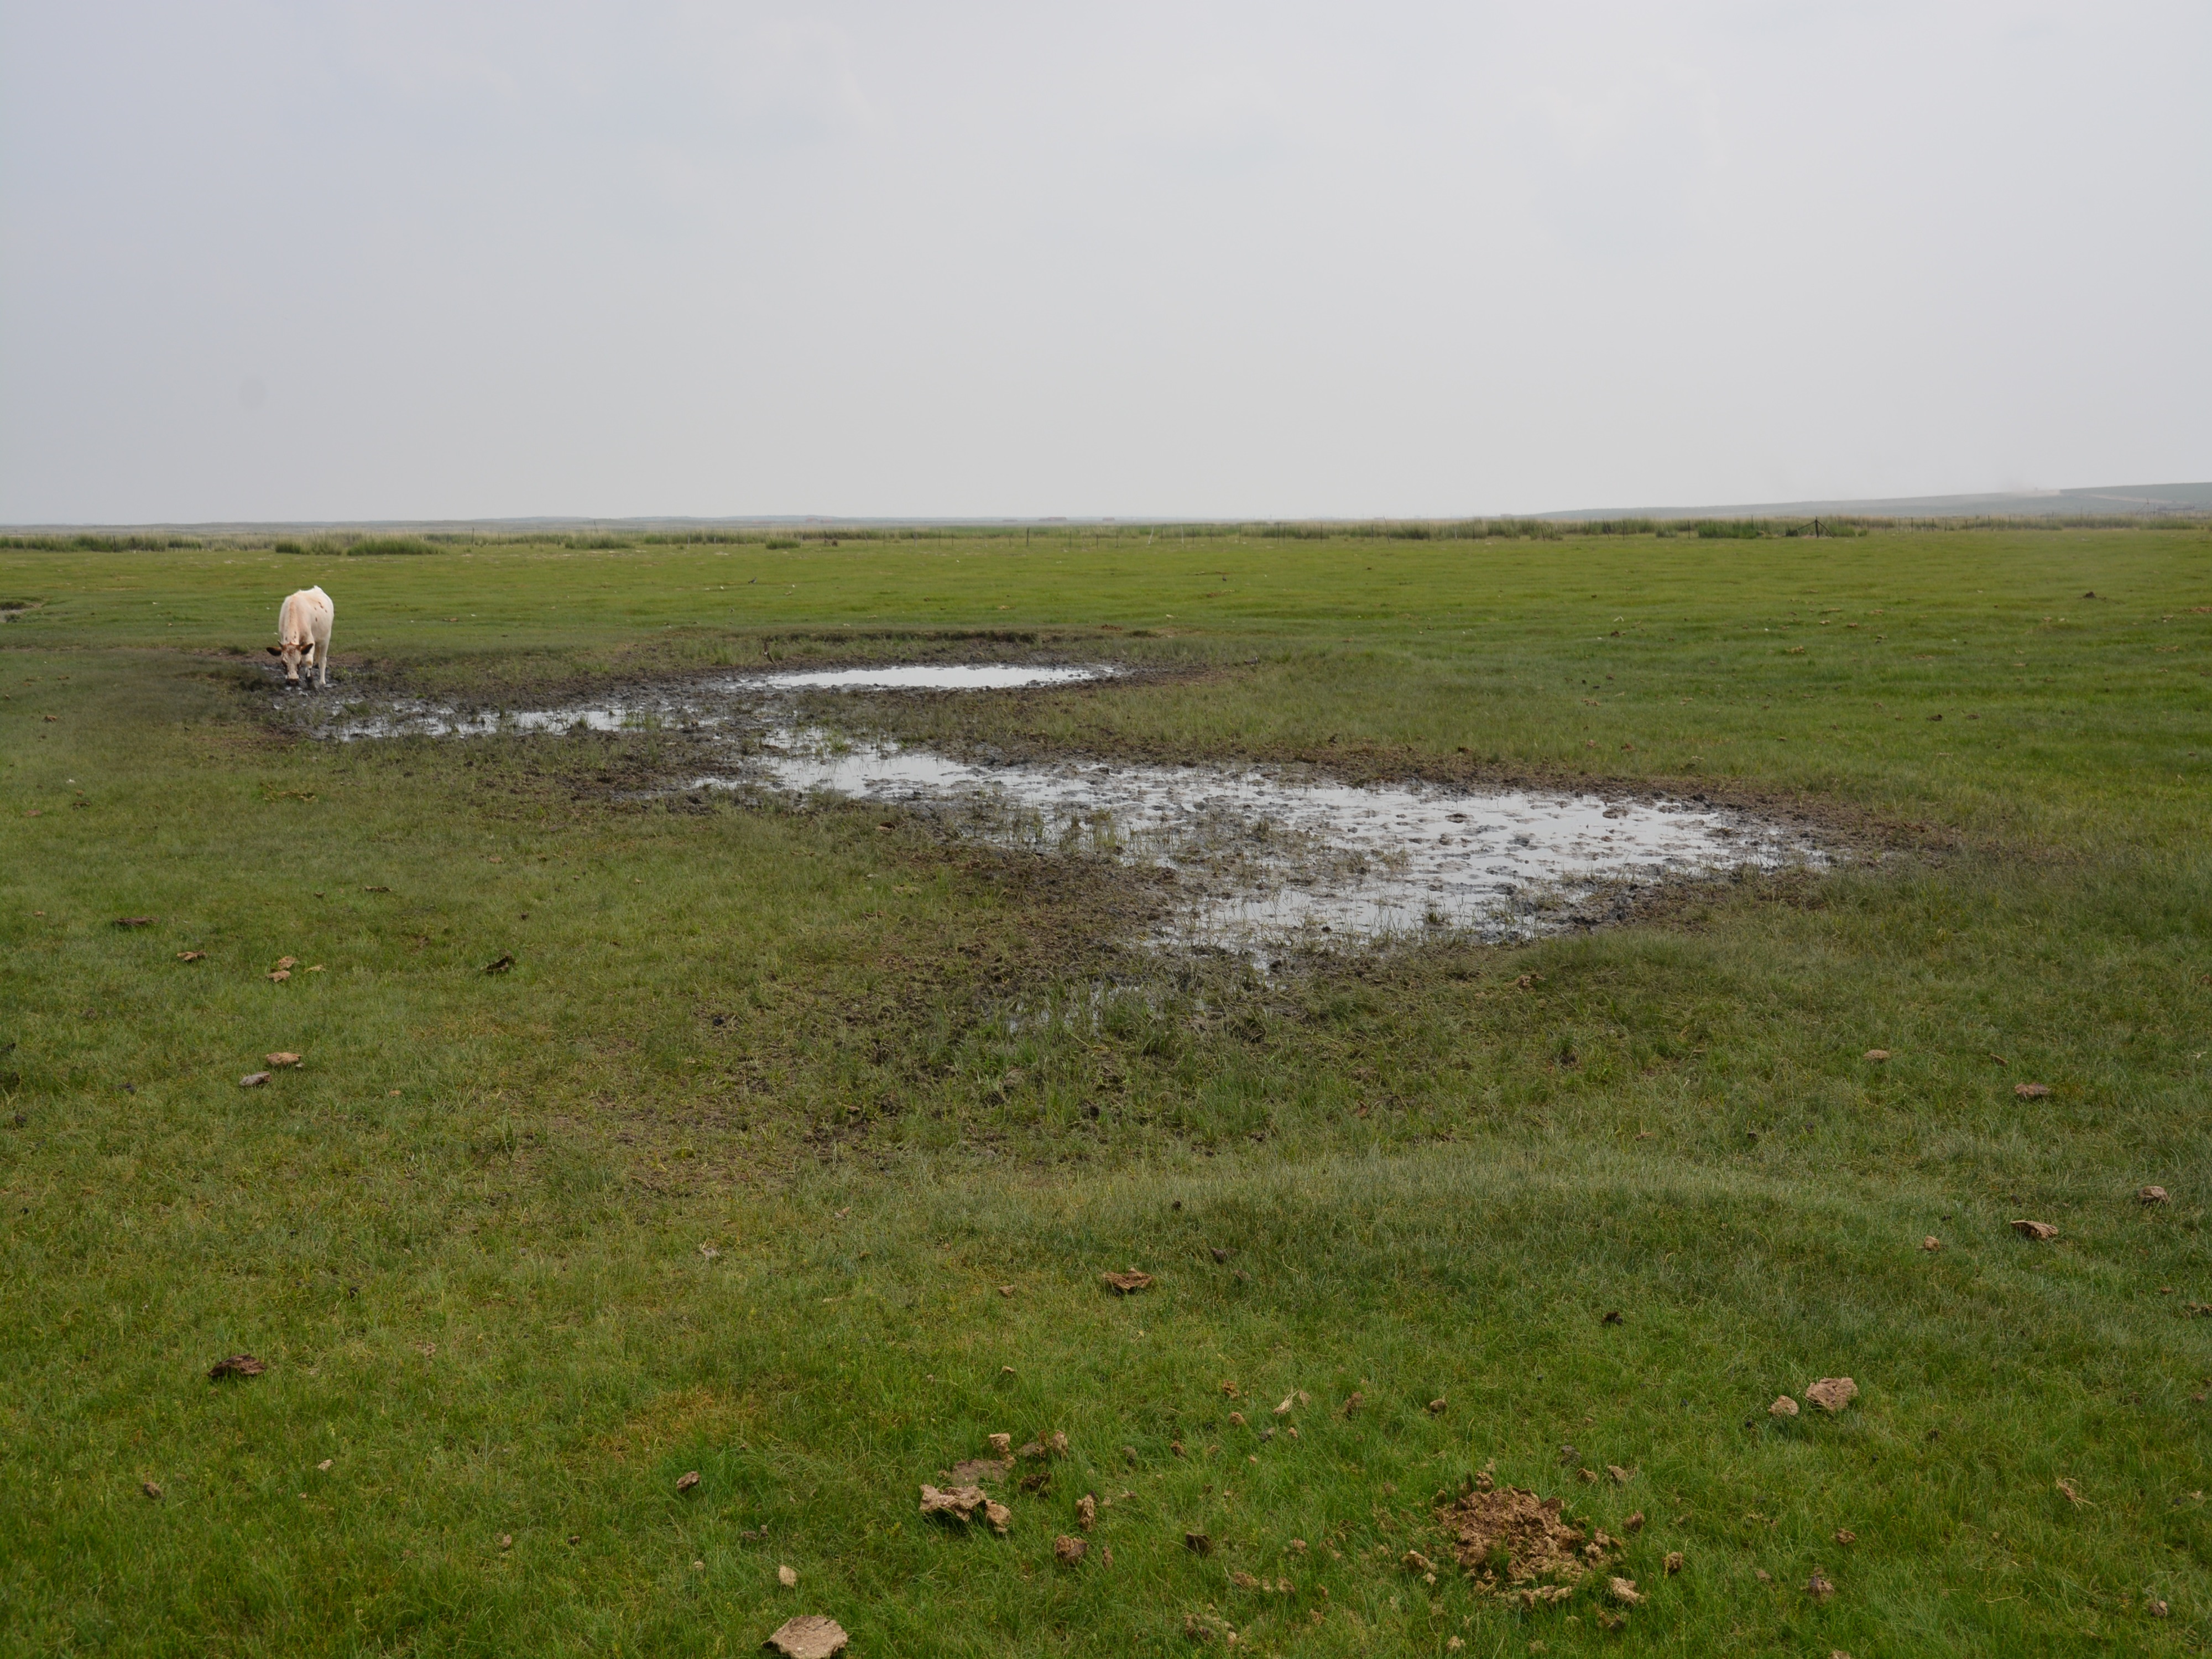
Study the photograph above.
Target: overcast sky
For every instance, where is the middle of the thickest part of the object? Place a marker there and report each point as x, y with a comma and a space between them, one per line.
396, 260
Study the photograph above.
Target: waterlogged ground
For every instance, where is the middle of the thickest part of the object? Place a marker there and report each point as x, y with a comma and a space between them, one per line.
1262, 857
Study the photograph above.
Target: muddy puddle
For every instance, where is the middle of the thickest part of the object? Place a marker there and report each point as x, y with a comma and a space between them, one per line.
1257, 858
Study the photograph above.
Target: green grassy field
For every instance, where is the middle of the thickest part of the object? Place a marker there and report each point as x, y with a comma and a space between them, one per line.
791, 1149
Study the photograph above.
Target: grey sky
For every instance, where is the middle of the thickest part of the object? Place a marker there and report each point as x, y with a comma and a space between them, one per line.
389, 260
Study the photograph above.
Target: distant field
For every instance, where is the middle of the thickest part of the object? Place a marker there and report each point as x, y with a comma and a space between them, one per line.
790, 1148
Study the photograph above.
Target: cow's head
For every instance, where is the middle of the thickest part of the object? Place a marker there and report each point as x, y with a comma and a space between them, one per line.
291, 656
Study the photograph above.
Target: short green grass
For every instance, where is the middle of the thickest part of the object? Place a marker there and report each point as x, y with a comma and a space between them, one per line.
726, 1173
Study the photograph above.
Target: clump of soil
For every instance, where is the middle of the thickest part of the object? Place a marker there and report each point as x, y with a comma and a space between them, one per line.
1511, 1542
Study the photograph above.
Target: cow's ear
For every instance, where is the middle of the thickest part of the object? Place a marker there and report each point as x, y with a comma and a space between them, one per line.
276, 650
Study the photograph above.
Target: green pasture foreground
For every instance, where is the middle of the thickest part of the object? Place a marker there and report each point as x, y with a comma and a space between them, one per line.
789, 1150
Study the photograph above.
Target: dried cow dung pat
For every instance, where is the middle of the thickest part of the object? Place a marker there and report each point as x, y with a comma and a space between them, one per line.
1126, 1283
1068, 1551
810, 1636
1832, 1394
2151, 1194
2042, 1232
237, 1365
1783, 1407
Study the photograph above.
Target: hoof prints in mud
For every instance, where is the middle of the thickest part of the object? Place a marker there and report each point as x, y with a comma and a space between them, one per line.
1260, 858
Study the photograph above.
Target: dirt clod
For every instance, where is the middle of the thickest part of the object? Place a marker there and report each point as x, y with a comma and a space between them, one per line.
1511, 1542
283, 1057
2151, 1196
977, 1470
686, 1480
1087, 1510
500, 965
1613, 1317
1128, 1283
1674, 1562
2031, 1090
1877, 1053
1436, 1406
963, 1504
1832, 1394
253, 1079
1624, 1591
2041, 1231
237, 1365
1002, 1443
1069, 1551
787, 1577
1634, 1523
1621, 1477
1818, 1586
1846, 1537
1931, 1242
191, 955
1783, 1407
1353, 1404
278, 975
150, 1489
1198, 1543
1414, 1561
810, 1636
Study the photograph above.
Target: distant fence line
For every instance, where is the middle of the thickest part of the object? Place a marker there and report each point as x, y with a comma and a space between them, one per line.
364, 545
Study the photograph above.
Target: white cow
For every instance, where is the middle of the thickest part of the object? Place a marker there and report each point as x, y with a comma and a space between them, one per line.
303, 635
